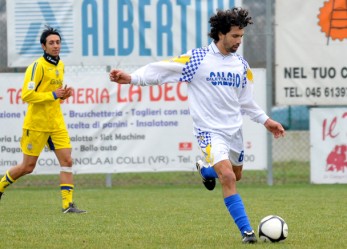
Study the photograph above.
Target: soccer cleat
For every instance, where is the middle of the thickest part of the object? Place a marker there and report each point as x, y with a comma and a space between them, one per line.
73, 209
208, 183
249, 237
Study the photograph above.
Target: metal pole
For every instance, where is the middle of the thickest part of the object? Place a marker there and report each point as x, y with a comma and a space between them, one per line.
108, 180
269, 88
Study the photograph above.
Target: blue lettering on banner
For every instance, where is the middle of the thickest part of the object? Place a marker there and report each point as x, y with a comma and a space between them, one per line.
89, 30
143, 26
107, 50
126, 29
29, 27
164, 28
184, 4
115, 28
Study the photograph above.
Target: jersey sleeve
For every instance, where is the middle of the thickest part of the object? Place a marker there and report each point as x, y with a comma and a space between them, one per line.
161, 72
32, 80
248, 104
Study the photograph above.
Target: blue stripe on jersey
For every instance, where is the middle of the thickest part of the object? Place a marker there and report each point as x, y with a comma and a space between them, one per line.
33, 71
245, 67
191, 67
43, 74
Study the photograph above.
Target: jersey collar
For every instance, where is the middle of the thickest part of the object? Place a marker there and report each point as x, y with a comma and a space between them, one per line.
213, 47
51, 59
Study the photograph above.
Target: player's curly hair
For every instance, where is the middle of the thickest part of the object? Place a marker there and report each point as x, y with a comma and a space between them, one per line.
223, 20
46, 32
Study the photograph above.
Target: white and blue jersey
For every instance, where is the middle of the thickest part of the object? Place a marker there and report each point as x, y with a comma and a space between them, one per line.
219, 87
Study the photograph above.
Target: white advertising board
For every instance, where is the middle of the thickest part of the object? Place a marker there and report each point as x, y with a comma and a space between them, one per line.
328, 134
121, 128
310, 47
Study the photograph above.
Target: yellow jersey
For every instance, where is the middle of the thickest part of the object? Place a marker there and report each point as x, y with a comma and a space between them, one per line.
41, 79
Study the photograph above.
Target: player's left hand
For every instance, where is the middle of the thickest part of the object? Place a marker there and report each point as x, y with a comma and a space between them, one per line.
275, 128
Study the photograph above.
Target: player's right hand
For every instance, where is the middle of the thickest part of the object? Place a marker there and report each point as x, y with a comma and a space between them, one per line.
63, 93
60, 92
119, 76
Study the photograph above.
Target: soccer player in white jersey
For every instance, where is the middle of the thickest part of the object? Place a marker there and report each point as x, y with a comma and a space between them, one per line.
44, 121
219, 92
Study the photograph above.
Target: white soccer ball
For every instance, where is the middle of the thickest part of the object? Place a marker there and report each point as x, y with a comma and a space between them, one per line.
272, 228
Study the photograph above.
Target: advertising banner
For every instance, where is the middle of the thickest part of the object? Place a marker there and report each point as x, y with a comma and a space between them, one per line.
110, 32
310, 64
121, 128
328, 133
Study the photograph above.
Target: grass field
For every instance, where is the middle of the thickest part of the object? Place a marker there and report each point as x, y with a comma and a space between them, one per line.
170, 217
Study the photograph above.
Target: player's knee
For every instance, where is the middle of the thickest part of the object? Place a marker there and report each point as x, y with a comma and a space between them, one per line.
227, 177
67, 162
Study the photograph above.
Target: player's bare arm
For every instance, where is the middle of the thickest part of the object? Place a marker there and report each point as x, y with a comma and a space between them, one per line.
275, 128
120, 77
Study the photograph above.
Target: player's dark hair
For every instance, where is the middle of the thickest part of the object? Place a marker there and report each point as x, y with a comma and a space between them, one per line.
223, 20
47, 32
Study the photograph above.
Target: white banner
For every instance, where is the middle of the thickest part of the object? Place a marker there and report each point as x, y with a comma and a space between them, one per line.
109, 32
311, 66
121, 128
328, 132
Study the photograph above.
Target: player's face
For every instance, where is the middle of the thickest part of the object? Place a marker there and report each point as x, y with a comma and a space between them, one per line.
230, 42
52, 46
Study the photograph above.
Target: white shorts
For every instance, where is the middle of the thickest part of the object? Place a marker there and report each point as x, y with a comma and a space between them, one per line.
217, 147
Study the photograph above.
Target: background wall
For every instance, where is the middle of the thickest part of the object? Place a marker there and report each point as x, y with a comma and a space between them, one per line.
294, 149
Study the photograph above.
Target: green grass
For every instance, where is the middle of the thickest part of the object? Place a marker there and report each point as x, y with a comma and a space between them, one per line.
292, 172
170, 217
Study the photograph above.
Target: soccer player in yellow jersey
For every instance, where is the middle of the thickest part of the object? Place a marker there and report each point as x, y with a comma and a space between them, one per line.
44, 122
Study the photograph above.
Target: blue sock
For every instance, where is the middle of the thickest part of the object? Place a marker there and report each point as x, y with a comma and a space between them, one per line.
208, 172
237, 211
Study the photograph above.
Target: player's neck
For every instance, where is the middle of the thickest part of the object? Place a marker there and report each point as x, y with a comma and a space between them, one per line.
51, 59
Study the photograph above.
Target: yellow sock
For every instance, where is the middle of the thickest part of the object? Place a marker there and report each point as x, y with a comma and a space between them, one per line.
5, 181
66, 194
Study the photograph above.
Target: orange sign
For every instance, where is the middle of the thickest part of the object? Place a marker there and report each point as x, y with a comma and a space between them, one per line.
333, 19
